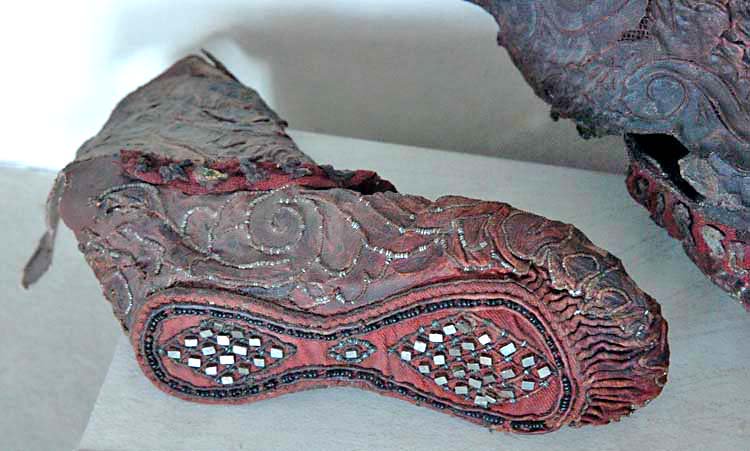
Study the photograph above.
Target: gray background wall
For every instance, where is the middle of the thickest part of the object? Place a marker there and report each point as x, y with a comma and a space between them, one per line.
424, 73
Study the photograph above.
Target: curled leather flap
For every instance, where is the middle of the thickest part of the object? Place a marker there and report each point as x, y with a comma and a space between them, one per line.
41, 260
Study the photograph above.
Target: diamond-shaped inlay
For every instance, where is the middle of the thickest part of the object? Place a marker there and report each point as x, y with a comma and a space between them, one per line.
475, 359
226, 352
353, 350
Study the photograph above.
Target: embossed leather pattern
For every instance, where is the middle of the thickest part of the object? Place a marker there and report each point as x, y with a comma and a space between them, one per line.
654, 67
239, 292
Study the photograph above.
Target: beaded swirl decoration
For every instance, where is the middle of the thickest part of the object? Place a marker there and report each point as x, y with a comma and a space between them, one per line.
673, 76
242, 270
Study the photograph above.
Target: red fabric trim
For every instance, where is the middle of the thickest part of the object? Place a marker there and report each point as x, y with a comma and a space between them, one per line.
233, 179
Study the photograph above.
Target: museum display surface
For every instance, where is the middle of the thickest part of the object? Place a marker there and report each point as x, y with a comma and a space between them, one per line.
241, 270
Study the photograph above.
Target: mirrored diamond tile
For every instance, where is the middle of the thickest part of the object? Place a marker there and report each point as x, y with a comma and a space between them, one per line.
208, 350
277, 353
528, 361
226, 380
254, 342
507, 374
450, 329
435, 338
441, 380
468, 346
480, 401
206, 333
485, 360
226, 359
460, 373
244, 371
406, 355
544, 372
508, 349
461, 389
194, 362
484, 340
222, 340
527, 385
455, 352
420, 346
237, 334
191, 342
438, 359
473, 366
211, 370
351, 354
260, 363
424, 369
475, 383
239, 350
173, 354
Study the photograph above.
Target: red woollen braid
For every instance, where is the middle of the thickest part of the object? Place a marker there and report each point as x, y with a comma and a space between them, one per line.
720, 250
242, 270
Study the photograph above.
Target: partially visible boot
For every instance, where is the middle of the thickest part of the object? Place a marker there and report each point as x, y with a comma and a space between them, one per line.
674, 77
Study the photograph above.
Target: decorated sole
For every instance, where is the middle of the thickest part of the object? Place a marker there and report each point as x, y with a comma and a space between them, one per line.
242, 270
484, 353
483, 357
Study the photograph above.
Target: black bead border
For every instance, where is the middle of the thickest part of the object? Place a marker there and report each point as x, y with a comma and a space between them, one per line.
372, 377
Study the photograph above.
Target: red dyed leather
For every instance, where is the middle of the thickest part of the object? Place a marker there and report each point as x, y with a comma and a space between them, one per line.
675, 69
233, 290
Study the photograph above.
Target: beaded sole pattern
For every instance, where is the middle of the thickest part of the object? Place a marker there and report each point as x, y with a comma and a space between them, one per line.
489, 360
241, 270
